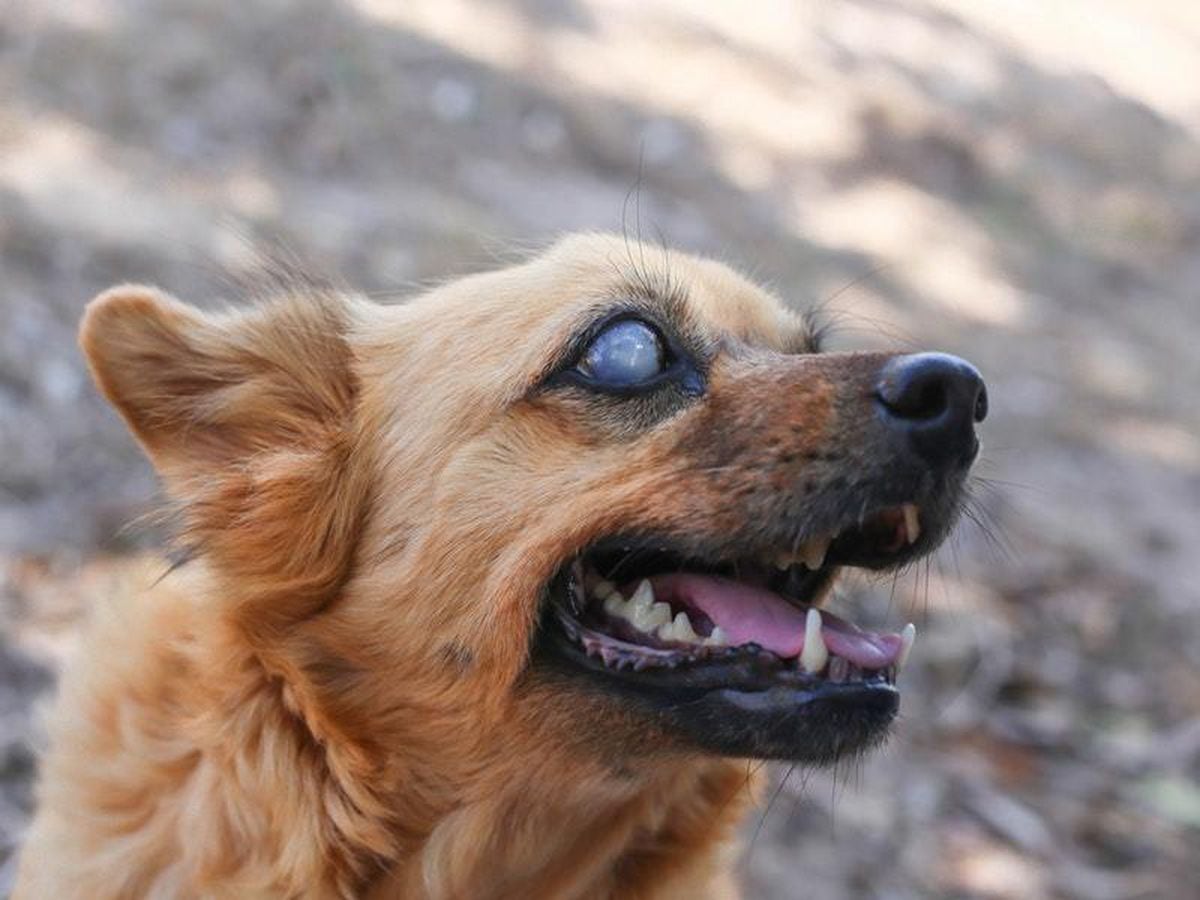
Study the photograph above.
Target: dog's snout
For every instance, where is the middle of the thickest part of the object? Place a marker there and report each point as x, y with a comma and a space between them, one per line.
933, 400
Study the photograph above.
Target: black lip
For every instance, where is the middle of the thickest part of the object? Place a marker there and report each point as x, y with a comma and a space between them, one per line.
737, 701
633, 555
745, 701
738, 706
853, 546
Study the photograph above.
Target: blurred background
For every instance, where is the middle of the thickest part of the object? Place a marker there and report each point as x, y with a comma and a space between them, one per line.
1015, 182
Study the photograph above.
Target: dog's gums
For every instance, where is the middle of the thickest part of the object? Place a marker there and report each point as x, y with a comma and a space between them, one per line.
490, 594
650, 610
685, 634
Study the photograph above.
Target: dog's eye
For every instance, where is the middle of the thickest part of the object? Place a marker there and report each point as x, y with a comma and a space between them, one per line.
625, 354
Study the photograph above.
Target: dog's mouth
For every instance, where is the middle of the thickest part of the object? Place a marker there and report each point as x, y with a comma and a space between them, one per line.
737, 651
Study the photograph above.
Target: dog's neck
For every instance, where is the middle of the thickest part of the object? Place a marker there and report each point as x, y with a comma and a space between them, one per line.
664, 829
415, 813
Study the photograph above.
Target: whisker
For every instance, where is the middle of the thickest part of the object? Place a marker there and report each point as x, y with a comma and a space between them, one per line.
770, 804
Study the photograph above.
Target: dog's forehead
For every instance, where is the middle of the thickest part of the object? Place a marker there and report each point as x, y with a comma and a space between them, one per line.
714, 297
725, 302
514, 323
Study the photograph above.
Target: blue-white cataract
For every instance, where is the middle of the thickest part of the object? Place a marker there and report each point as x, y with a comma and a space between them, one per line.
624, 354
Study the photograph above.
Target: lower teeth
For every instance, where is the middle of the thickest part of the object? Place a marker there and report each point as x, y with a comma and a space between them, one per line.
654, 619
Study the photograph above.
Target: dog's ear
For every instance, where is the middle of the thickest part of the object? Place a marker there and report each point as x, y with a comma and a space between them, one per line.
202, 392
248, 416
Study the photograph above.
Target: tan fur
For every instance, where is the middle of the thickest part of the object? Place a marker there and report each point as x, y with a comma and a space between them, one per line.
333, 697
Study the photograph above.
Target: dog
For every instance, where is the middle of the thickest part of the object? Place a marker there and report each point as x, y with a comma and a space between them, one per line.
490, 594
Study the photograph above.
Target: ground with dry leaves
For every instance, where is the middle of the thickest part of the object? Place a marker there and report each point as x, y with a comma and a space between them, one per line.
1018, 184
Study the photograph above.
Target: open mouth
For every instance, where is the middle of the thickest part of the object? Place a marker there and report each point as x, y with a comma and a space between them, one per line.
738, 651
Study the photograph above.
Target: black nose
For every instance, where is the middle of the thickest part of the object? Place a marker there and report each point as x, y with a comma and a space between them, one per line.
934, 401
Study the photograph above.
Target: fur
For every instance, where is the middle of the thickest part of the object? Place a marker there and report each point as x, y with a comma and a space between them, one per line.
332, 696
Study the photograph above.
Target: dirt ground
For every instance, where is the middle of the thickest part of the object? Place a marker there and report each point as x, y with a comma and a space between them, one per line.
1017, 183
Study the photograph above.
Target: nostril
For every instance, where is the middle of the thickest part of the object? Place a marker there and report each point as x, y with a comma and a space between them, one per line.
919, 400
933, 401
925, 386
981, 403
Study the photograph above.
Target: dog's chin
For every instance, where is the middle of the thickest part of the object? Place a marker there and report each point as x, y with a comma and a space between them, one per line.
734, 656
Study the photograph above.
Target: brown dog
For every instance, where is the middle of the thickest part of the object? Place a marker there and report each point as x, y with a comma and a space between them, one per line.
486, 594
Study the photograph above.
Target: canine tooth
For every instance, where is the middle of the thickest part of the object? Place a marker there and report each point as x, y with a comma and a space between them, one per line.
814, 655
718, 638
813, 552
907, 636
912, 523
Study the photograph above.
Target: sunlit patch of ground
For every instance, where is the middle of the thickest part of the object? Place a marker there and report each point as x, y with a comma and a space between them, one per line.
1015, 183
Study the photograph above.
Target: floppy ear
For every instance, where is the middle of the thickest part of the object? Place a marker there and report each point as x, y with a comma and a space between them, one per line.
248, 416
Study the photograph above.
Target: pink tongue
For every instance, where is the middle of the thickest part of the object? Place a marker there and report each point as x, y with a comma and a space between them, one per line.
755, 615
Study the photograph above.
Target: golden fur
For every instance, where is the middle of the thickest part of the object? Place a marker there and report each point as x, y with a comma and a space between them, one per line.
331, 697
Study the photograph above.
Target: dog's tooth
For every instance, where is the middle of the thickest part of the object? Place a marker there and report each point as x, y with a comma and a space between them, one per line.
912, 522
814, 655
907, 637
640, 610
784, 561
679, 629
576, 585
615, 605
717, 638
644, 595
648, 618
604, 588
812, 553
683, 628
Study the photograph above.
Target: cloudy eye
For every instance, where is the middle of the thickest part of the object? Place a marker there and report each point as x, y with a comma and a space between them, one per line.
624, 355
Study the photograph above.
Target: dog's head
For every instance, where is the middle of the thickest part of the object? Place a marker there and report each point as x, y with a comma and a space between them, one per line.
603, 494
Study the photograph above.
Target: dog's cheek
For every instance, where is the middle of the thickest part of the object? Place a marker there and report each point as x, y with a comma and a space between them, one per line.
590, 723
